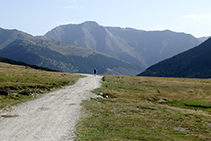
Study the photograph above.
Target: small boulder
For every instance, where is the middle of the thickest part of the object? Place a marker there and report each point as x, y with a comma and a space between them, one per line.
181, 129
162, 100
100, 93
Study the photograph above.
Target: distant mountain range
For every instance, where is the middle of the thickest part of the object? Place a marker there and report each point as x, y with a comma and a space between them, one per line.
139, 47
194, 63
82, 47
60, 56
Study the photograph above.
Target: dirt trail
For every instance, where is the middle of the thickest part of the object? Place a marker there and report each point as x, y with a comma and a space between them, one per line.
50, 118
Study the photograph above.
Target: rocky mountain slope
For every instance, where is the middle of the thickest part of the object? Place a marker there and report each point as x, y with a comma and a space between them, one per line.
139, 47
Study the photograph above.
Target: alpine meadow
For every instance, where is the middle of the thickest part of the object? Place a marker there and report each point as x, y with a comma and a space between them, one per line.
148, 108
105, 83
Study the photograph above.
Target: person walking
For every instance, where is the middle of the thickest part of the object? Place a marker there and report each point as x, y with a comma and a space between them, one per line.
95, 72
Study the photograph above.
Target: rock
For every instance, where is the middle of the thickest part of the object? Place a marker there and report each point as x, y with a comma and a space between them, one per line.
162, 100
181, 129
15, 94
98, 96
3, 92
100, 93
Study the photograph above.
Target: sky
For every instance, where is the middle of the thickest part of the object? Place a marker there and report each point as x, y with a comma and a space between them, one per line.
37, 17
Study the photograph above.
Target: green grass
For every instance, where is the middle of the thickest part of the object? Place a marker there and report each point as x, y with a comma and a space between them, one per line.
148, 108
10, 100
20, 81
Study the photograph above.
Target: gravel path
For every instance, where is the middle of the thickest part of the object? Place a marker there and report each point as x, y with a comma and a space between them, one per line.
50, 118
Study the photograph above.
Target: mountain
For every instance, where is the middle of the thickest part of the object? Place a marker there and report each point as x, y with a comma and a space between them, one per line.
61, 56
139, 47
202, 39
194, 63
8, 36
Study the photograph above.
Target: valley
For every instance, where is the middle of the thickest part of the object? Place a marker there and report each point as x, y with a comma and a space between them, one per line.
123, 107
81, 70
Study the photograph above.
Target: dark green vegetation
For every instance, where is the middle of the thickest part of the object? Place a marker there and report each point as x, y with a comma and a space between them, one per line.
148, 108
10, 61
139, 47
22, 83
194, 63
44, 52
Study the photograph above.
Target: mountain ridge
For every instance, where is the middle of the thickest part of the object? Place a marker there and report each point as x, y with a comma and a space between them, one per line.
135, 46
45, 52
193, 63
89, 39
8, 36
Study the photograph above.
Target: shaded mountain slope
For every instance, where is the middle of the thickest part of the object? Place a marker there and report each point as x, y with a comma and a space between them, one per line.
135, 46
194, 63
60, 56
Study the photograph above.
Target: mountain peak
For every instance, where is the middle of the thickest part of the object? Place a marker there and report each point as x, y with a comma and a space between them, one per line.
131, 45
90, 23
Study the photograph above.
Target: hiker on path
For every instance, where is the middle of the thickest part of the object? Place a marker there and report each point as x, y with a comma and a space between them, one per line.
95, 71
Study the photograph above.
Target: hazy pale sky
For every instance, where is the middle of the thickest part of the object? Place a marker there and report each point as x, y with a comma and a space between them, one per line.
36, 17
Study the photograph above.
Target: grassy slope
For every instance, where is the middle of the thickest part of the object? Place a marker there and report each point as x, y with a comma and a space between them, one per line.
148, 108
24, 80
